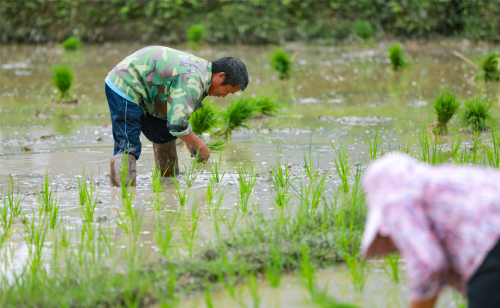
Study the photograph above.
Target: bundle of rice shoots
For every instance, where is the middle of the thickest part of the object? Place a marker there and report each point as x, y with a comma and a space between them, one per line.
281, 63
217, 145
205, 119
237, 115
490, 67
446, 106
477, 114
264, 105
62, 80
397, 57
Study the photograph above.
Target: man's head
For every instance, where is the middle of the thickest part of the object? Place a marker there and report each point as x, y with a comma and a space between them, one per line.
229, 75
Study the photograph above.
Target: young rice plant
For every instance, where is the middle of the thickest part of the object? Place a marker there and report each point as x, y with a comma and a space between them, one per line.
477, 114
490, 68
237, 115
363, 29
397, 57
72, 43
205, 119
281, 63
446, 106
63, 77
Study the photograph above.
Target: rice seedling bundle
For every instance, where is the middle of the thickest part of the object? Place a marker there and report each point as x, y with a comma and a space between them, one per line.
217, 145
490, 68
397, 57
205, 119
281, 63
446, 106
264, 105
363, 29
72, 43
237, 115
62, 80
477, 114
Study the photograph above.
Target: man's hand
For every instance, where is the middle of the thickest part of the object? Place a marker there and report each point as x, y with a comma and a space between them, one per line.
429, 303
198, 144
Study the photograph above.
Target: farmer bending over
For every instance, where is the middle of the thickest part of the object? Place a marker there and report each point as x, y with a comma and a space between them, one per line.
444, 220
155, 90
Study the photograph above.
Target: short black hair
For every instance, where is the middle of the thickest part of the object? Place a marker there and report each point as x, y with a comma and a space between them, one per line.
235, 70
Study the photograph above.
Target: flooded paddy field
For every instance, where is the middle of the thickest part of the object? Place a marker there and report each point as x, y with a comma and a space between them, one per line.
290, 239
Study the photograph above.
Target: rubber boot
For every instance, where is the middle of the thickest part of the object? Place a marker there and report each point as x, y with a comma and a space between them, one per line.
117, 165
166, 158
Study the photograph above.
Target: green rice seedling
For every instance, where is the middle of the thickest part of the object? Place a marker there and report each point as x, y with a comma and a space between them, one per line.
205, 119
397, 58
217, 145
64, 238
432, 154
281, 63
265, 105
246, 182
123, 223
316, 190
124, 181
281, 182
363, 29
210, 191
208, 297
62, 80
253, 288
357, 270
446, 105
181, 194
53, 217
342, 166
227, 276
6, 216
307, 272
273, 267
477, 114
82, 189
72, 43
46, 198
195, 35
35, 235
91, 202
157, 187
493, 152
490, 68
164, 235
191, 171
237, 115
15, 198
392, 263
374, 147
215, 171
218, 201
460, 300
127, 202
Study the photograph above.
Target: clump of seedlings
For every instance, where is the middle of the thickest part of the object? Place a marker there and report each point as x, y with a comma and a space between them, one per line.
397, 58
490, 67
217, 145
205, 119
446, 105
477, 114
281, 63
265, 105
72, 43
62, 80
195, 35
246, 182
237, 115
157, 186
363, 29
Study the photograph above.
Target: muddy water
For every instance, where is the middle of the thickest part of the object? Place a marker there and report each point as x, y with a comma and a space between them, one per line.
336, 94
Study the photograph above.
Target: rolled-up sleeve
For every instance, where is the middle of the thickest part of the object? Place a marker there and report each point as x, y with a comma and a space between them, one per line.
409, 229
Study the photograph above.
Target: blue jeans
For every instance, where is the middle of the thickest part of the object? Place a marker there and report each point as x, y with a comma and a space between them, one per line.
128, 121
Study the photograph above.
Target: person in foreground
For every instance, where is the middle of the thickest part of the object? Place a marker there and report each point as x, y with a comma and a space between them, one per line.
155, 90
445, 221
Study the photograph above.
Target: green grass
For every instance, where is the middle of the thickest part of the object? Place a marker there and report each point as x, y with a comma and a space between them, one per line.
281, 63
237, 115
72, 43
397, 58
445, 105
363, 29
477, 115
490, 68
62, 80
205, 119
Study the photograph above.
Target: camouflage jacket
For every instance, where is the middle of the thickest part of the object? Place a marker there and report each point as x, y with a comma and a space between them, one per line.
167, 83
